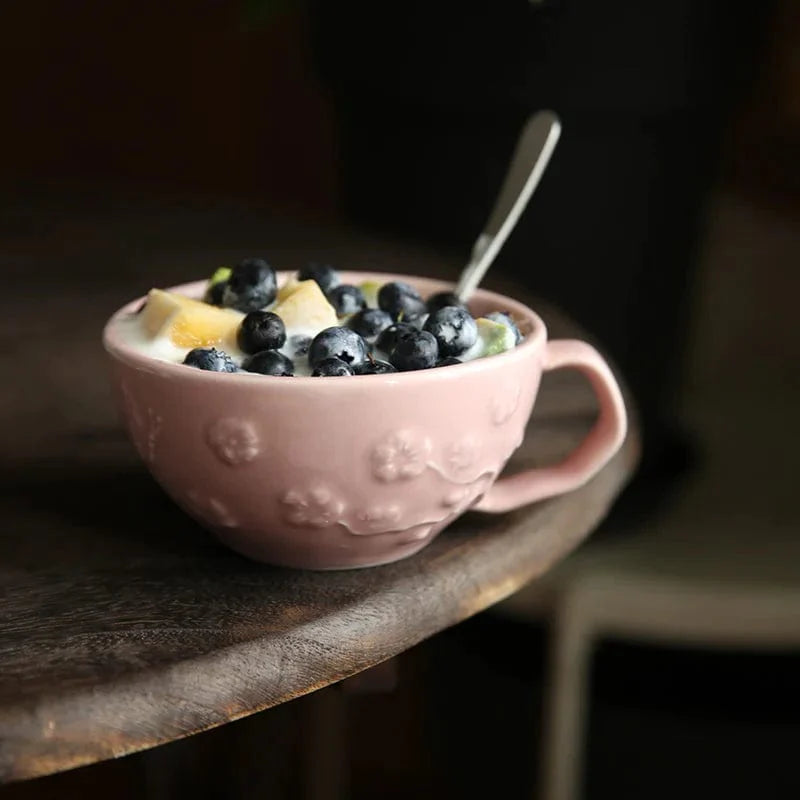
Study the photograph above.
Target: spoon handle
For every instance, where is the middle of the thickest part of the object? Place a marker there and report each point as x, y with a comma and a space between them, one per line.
534, 148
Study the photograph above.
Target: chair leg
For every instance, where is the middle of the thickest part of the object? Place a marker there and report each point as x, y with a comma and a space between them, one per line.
325, 770
566, 702
326, 767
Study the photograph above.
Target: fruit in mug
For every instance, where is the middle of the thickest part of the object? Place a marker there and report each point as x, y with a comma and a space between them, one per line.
405, 331
390, 336
216, 286
374, 367
220, 276
187, 322
442, 299
210, 359
252, 285
370, 291
495, 337
346, 299
213, 295
299, 344
331, 368
369, 323
454, 329
417, 320
261, 330
417, 350
506, 319
324, 274
158, 307
401, 300
306, 307
337, 342
269, 362
288, 288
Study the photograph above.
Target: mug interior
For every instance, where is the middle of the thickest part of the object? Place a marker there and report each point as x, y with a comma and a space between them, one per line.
482, 302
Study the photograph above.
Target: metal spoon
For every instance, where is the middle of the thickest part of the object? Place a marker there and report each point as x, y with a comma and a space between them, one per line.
534, 148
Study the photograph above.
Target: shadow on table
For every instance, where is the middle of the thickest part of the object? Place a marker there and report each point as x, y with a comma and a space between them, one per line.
118, 508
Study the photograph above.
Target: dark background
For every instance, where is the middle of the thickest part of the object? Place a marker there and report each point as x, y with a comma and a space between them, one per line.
142, 120
403, 122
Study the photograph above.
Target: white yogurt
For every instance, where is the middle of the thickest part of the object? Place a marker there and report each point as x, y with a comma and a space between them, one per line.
159, 347
163, 349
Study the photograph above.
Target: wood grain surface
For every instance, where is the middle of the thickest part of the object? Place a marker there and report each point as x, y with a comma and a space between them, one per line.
123, 624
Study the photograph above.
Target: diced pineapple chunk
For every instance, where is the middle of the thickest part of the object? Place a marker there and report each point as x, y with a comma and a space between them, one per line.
288, 288
306, 308
188, 322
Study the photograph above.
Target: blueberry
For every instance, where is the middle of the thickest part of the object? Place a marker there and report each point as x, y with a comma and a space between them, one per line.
331, 367
418, 350
211, 359
401, 300
392, 335
269, 362
454, 328
417, 320
261, 330
346, 299
370, 322
214, 293
505, 319
300, 344
450, 361
251, 286
442, 299
339, 343
215, 288
324, 274
374, 367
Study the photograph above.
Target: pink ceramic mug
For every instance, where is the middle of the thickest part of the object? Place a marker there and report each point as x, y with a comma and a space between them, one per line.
332, 473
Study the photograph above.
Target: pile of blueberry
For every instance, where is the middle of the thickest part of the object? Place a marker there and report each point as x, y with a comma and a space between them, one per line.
405, 332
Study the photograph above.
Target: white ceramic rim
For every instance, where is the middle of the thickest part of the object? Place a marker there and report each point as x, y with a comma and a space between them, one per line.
535, 338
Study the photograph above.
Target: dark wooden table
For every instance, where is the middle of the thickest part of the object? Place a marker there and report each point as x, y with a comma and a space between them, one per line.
123, 625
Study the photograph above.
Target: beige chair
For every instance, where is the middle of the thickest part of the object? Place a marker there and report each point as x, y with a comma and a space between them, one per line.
721, 567
723, 584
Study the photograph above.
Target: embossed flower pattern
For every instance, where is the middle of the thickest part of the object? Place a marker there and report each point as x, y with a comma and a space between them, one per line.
455, 497
380, 519
462, 454
234, 441
316, 506
145, 428
154, 422
400, 456
416, 533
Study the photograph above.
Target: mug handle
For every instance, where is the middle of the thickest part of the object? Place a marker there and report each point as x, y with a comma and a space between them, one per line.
600, 444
